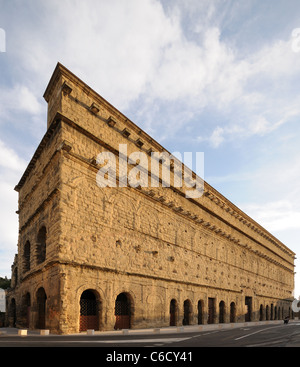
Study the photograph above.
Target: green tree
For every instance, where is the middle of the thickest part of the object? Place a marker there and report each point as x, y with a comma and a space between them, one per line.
4, 283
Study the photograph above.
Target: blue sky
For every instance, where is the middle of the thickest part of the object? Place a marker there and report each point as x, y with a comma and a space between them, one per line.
213, 76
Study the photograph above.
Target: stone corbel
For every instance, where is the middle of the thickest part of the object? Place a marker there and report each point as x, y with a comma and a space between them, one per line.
161, 199
126, 133
93, 161
150, 151
95, 108
111, 121
139, 143
66, 89
66, 145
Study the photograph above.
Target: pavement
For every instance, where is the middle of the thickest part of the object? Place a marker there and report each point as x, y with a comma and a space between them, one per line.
163, 330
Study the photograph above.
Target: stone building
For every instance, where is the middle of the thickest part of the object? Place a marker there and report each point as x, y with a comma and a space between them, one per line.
130, 257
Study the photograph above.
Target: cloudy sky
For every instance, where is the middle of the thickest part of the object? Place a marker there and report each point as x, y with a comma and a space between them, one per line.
213, 76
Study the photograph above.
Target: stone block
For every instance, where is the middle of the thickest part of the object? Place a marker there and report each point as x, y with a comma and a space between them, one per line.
22, 332
44, 332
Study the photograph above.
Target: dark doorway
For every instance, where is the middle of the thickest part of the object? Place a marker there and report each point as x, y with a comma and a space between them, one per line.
261, 313
173, 312
89, 315
267, 313
187, 308
248, 303
200, 312
272, 311
28, 309
122, 312
13, 313
221, 312
211, 311
41, 308
232, 312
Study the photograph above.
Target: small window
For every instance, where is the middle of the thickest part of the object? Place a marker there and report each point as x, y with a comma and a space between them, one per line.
41, 245
26, 256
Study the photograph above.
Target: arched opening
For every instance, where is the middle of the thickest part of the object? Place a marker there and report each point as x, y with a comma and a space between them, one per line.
232, 312
173, 312
41, 308
12, 313
221, 312
261, 313
187, 312
89, 311
211, 311
267, 313
200, 312
26, 257
123, 312
248, 304
28, 309
41, 245
25, 310
272, 311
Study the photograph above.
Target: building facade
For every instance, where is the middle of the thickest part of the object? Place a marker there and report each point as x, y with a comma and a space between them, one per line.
130, 257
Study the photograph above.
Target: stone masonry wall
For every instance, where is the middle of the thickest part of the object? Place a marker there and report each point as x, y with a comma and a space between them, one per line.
152, 244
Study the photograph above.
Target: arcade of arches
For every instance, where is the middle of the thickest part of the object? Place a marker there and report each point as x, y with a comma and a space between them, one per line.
33, 312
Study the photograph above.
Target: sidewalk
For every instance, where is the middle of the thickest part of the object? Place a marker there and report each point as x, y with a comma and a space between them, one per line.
162, 330
191, 328
14, 331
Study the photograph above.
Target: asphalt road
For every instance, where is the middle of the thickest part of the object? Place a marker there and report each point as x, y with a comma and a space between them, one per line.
254, 336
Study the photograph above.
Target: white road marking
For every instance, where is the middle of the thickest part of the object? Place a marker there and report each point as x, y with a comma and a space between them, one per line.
256, 332
212, 332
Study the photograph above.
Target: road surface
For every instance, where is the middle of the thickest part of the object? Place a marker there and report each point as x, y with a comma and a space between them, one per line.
276, 335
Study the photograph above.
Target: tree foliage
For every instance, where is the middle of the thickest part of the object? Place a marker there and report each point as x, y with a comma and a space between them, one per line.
4, 283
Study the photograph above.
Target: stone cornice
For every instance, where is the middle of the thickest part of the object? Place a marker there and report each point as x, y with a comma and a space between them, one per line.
237, 213
61, 70
37, 154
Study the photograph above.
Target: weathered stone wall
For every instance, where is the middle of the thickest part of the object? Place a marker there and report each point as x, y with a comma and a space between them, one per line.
153, 244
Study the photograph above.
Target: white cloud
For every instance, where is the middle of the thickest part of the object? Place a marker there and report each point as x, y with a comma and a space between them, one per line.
8, 217
139, 50
114, 46
10, 160
217, 137
275, 215
11, 169
18, 99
